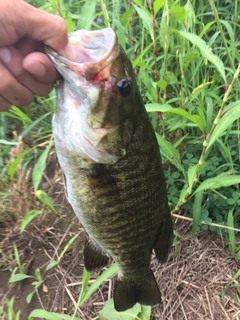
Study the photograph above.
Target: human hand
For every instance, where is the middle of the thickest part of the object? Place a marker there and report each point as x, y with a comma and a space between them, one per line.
25, 71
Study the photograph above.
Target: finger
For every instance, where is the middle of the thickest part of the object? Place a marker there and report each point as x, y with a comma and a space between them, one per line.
12, 91
13, 62
4, 104
40, 67
23, 20
27, 45
53, 32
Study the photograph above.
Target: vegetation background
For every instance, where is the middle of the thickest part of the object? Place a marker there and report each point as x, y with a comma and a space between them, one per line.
186, 59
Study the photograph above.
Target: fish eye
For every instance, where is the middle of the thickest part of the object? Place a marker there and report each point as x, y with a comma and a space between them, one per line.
124, 87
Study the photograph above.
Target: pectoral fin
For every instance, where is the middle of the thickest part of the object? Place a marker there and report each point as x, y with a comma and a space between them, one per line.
101, 182
94, 257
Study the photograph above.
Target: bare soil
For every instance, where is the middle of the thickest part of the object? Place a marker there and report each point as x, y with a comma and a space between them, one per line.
194, 282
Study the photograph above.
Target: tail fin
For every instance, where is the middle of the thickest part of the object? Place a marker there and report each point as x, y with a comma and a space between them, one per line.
127, 293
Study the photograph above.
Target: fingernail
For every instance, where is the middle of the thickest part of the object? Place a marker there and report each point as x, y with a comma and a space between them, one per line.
35, 68
5, 55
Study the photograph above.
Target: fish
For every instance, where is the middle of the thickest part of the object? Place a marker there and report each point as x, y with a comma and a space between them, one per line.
108, 151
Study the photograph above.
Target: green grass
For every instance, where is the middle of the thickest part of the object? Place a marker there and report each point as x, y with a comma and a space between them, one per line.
186, 57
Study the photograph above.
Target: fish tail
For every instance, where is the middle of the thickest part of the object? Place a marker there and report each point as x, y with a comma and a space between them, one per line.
127, 293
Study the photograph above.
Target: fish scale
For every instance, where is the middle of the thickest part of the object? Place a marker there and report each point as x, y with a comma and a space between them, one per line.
109, 154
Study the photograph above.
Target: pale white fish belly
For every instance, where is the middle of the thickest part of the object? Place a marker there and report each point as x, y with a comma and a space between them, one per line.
71, 128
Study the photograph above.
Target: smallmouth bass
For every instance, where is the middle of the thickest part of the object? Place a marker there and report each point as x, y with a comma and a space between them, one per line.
110, 157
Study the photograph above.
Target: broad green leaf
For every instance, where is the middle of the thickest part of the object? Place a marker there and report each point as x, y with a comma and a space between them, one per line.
28, 218
183, 194
15, 163
45, 199
206, 51
231, 114
171, 77
87, 15
193, 172
146, 18
179, 12
157, 107
38, 274
145, 313
19, 277
157, 5
194, 118
109, 312
70, 25
39, 313
197, 205
40, 167
29, 297
162, 84
223, 180
51, 265
170, 152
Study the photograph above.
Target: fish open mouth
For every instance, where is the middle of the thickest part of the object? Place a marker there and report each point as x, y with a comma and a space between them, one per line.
94, 51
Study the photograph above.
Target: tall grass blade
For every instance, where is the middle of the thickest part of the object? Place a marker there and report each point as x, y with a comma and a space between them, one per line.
34, 124
45, 199
170, 152
87, 15
225, 122
96, 284
197, 205
39, 167
146, 18
157, 5
231, 233
28, 218
206, 52
222, 180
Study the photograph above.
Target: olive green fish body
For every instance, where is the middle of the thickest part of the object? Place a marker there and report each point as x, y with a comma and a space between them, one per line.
114, 176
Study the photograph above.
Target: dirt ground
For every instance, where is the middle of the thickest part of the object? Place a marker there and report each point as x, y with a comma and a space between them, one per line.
195, 282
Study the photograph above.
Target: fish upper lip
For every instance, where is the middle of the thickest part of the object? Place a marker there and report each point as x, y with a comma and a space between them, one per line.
94, 51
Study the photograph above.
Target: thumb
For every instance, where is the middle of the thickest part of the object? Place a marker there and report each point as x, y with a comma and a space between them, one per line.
51, 30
